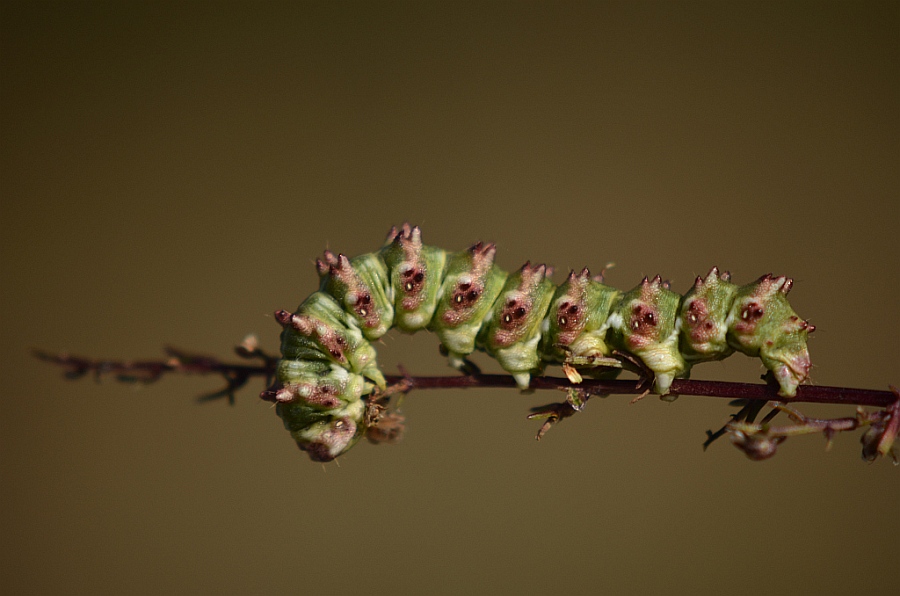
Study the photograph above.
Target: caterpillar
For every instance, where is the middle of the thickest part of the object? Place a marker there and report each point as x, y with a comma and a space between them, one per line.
521, 319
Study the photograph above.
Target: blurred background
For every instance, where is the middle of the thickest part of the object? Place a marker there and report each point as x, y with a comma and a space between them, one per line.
170, 172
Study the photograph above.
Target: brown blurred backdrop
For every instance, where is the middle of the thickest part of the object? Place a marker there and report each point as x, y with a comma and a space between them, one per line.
170, 171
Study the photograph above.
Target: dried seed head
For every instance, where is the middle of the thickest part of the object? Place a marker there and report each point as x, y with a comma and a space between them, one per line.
756, 446
388, 429
878, 440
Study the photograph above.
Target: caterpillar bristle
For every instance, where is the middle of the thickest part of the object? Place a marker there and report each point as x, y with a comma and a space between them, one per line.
321, 267
522, 319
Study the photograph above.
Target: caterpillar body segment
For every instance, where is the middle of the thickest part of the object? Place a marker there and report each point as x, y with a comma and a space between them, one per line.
471, 284
703, 318
329, 365
644, 323
416, 273
576, 326
360, 285
320, 384
321, 331
512, 329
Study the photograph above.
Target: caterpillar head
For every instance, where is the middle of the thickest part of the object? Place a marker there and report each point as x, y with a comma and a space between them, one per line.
787, 356
324, 441
324, 435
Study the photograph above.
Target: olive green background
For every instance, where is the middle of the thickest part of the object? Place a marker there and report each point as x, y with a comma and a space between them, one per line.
169, 173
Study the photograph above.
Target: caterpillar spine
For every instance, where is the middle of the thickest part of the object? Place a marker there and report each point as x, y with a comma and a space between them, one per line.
522, 319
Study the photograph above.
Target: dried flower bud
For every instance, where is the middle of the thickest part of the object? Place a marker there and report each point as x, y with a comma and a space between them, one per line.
878, 440
388, 429
755, 445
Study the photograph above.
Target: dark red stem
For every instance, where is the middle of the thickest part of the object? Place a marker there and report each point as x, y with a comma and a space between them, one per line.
724, 389
238, 374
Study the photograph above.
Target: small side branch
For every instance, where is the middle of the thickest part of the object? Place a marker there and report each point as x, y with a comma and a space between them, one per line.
178, 361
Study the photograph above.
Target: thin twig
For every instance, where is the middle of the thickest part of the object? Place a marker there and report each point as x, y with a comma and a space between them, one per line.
184, 362
757, 440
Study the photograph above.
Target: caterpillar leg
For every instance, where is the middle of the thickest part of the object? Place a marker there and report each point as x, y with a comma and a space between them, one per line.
459, 361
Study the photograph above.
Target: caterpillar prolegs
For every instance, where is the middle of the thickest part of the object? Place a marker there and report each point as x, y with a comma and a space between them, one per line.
522, 319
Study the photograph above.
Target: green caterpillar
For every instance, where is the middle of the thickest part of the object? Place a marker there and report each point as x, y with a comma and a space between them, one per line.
522, 319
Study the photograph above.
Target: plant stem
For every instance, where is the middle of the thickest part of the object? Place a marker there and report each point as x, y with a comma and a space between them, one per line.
238, 374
